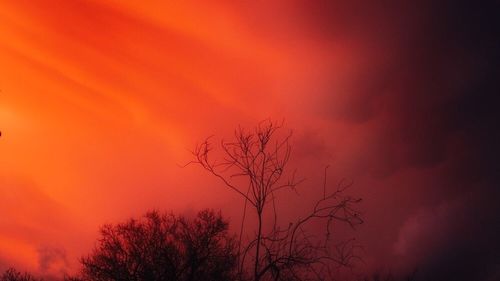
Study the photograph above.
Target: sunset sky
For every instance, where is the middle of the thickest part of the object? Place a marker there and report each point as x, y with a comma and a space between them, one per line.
101, 101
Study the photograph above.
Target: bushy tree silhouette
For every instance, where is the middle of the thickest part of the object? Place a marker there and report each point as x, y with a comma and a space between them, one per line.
253, 164
163, 247
13, 275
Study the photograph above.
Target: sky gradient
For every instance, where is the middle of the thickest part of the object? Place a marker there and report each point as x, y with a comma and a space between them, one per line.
100, 102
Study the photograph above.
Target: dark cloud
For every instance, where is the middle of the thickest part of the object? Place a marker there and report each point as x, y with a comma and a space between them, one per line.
52, 260
455, 240
428, 83
426, 75
310, 144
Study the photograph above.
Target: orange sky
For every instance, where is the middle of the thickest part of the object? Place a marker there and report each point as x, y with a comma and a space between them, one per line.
101, 100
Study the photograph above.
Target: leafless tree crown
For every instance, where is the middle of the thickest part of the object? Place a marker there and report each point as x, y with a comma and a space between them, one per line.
260, 156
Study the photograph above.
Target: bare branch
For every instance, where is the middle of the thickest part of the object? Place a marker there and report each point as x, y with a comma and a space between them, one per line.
261, 157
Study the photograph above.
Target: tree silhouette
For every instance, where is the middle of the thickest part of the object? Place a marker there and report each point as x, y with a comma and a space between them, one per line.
13, 275
254, 166
378, 276
163, 247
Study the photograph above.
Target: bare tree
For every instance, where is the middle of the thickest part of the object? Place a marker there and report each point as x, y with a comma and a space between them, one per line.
254, 166
163, 247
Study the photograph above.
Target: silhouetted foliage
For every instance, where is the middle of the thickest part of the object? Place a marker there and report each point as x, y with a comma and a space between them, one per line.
163, 247
13, 275
390, 277
259, 159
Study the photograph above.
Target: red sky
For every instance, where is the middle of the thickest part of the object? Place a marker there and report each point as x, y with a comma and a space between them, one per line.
101, 100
